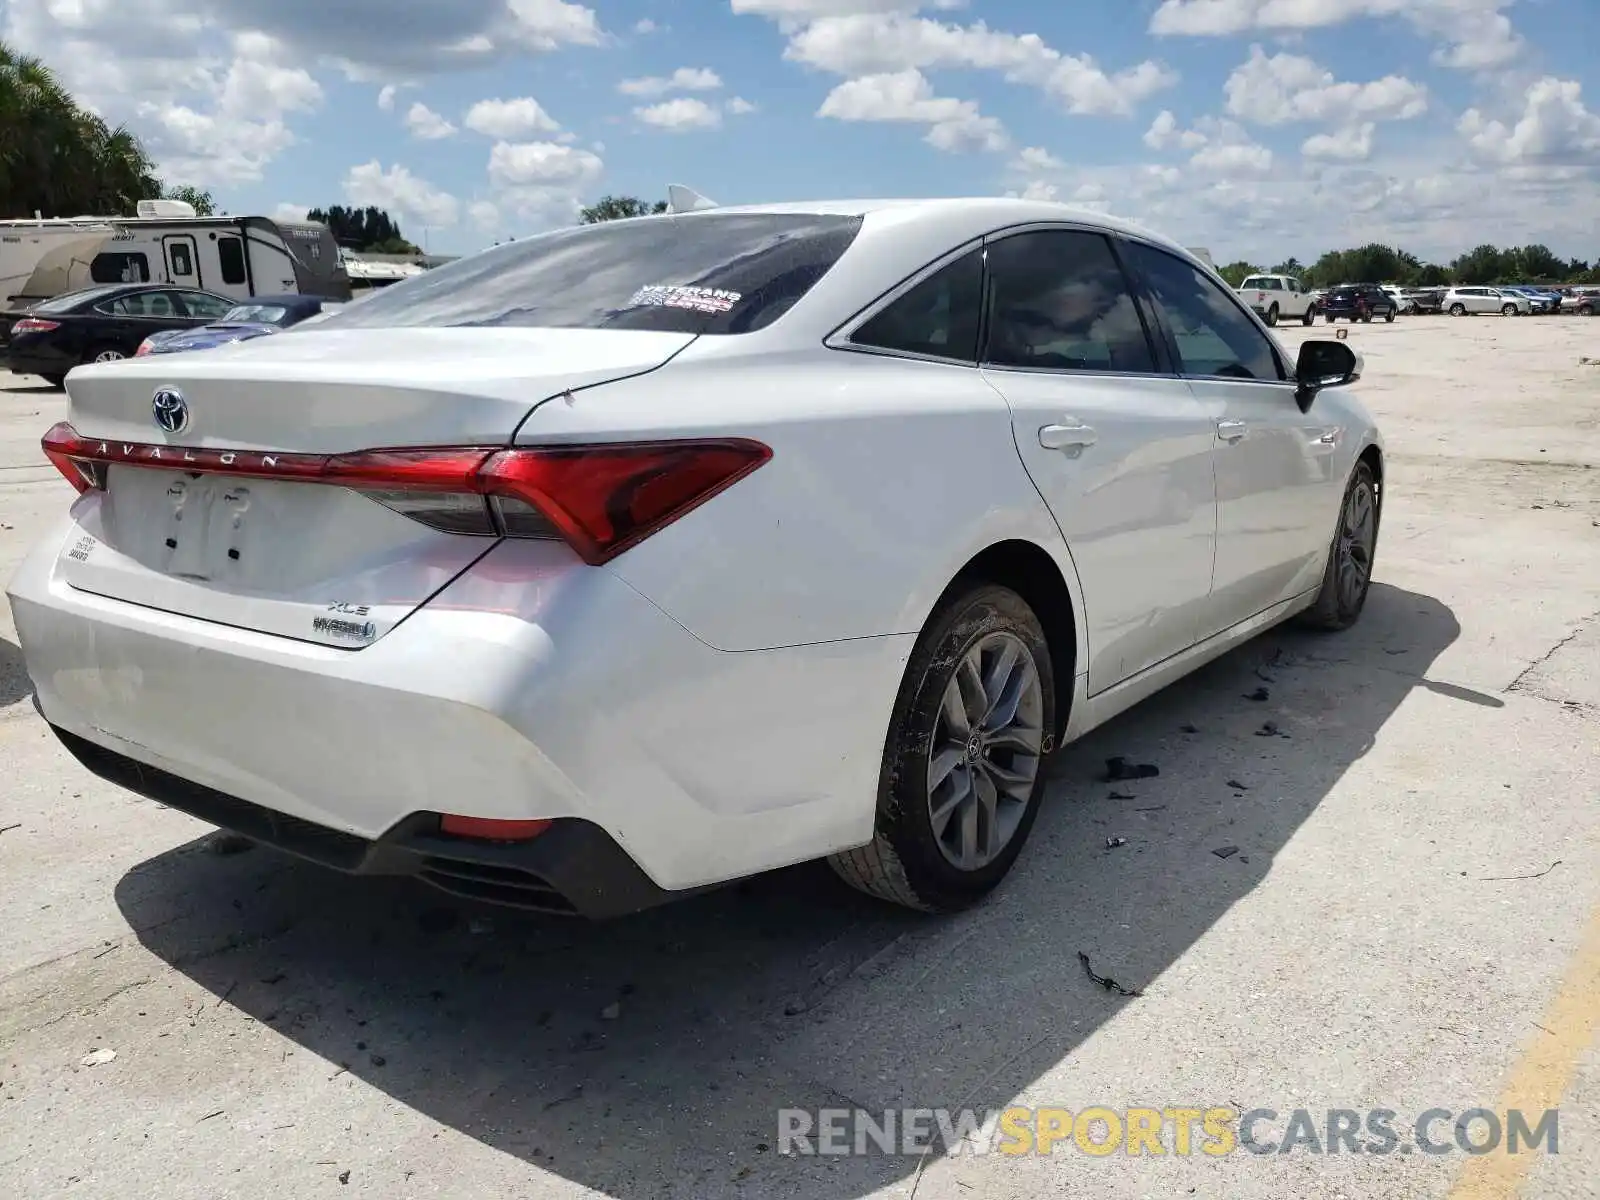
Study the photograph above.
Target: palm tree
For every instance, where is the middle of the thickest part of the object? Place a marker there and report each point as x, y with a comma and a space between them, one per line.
58, 158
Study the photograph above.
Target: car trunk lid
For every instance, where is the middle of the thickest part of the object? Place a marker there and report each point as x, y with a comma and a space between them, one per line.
215, 517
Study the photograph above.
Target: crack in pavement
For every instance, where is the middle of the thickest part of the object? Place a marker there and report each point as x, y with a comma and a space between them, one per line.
1582, 627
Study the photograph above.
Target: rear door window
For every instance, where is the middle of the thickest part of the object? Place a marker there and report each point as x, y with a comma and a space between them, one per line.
1058, 300
717, 273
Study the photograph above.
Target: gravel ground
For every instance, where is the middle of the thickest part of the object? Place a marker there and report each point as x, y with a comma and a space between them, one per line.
279, 1030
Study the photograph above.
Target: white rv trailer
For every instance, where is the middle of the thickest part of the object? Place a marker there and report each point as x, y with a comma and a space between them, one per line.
168, 243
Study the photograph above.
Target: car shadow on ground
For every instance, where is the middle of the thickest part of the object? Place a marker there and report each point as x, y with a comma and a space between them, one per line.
27, 385
15, 685
649, 1056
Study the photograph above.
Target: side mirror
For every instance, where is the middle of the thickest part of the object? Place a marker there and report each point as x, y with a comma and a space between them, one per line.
1324, 364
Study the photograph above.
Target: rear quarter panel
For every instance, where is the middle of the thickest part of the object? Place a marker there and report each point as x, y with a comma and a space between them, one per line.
887, 477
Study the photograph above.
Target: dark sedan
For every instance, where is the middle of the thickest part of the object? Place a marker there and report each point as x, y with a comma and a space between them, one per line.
1358, 302
100, 324
250, 319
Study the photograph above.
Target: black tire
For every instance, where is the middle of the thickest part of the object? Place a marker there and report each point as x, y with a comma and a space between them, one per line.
1330, 318
1508, 310
1458, 310
1309, 317
904, 862
1586, 310
1388, 317
1272, 317
1335, 609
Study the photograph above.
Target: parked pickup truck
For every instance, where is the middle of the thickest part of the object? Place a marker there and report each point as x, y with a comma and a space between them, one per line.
1278, 297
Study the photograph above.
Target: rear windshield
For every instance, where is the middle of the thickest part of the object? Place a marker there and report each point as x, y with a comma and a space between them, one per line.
264, 314
704, 273
72, 299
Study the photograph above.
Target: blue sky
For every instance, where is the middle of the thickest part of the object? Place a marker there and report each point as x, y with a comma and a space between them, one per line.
1260, 128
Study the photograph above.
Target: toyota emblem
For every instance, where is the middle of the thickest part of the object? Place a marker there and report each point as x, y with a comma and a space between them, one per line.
171, 409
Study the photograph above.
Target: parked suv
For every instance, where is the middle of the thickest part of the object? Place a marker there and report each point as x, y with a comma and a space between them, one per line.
1585, 301
1459, 301
1358, 302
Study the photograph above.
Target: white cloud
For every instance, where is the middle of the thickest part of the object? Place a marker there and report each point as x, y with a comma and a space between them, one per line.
681, 115
484, 215
400, 192
645, 25
289, 211
739, 106
1164, 133
1038, 189
1555, 129
386, 97
508, 120
542, 164
810, 10
1351, 144
541, 182
549, 24
1476, 33
907, 96
885, 44
684, 79
1036, 158
426, 124
1288, 87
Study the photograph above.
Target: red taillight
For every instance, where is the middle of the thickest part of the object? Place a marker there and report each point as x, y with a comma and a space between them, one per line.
144, 349
600, 499
34, 325
492, 829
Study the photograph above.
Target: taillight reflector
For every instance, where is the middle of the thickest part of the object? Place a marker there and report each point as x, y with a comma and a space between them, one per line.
34, 325
599, 498
491, 828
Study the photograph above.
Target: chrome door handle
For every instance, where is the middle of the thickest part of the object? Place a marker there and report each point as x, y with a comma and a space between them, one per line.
1231, 431
1066, 437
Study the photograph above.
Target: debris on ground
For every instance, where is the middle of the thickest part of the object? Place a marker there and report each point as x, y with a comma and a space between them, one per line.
9, 828
1237, 786
1270, 729
611, 1011
1535, 875
1225, 851
1260, 695
1116, 795
1187, 729
379, 1060
1113, 842
1119, 770
98, 1058
1152, 808
795, 1007
344, 1177
1105, 981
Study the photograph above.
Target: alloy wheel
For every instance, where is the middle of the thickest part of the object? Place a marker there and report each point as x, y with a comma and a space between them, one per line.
1358, 535
985, 751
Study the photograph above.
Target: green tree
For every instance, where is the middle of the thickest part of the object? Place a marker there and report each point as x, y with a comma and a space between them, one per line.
617, 208
1432, 275
59, 159
1290, 266
369, 229
202, 201
1236, 273
1482, 264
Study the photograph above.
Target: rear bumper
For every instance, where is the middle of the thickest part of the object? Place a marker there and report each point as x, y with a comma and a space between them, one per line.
573, 868
525, 689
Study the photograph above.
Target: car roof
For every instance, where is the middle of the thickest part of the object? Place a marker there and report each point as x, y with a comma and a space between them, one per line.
971, 215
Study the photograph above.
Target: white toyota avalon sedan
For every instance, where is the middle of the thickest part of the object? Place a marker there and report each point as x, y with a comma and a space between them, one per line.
623, 561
